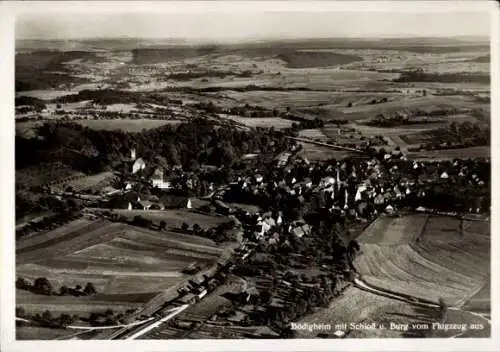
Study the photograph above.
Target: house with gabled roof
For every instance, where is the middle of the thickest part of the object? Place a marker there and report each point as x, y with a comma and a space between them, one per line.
158, 179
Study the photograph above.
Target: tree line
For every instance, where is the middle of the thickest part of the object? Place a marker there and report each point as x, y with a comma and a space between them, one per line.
43, 286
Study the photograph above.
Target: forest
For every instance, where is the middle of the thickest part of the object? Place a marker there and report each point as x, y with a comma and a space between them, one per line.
92, 151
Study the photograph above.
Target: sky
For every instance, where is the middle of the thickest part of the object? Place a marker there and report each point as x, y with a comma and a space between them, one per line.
240, 25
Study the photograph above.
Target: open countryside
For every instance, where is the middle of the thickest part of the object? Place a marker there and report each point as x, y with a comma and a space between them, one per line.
177, 190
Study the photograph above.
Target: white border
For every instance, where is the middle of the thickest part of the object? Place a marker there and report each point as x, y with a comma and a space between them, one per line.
8, 12
247, 6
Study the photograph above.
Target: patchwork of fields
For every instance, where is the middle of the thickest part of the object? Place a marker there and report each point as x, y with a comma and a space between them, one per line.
126, 264
423, 256
426, 257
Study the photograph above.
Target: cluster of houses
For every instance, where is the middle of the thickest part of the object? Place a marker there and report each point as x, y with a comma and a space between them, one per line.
359, 187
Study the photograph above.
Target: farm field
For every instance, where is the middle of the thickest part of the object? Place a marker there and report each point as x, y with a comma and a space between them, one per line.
174, 218
351, 80
89, 183
81, 306
276, 122
358, 306
48, 94
126, 125
27, 129
304, 100
481, 301
274, 99
126, 264
38, 333
425, 257
369, 131
338, 135
398, 103
45, 173
315, 134
315, 152
448, 154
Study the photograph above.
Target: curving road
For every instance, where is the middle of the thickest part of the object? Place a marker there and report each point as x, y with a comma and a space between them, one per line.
362, 285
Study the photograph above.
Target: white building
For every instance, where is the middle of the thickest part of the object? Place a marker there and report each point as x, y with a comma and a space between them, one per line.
158, 181
138, 165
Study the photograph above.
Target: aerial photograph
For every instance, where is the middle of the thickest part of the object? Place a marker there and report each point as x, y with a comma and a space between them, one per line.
252, 175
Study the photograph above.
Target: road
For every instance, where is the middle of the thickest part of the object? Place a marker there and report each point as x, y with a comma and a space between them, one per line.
362, 285
142, 331
327, 145
128, 334
77, 327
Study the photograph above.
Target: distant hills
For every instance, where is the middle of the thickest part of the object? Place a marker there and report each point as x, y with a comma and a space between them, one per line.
127, 43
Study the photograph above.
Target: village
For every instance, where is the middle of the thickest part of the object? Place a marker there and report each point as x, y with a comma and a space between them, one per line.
251, 189
356, 190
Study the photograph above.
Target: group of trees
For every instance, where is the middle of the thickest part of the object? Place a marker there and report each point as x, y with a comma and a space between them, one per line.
108, 317
325, 246
45, 69
220, 233
459, 135
412, 117
46, 319
299, 300
421, 76
306, 124
187, 76
91, 151
111, 96
243, 110
43, 286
